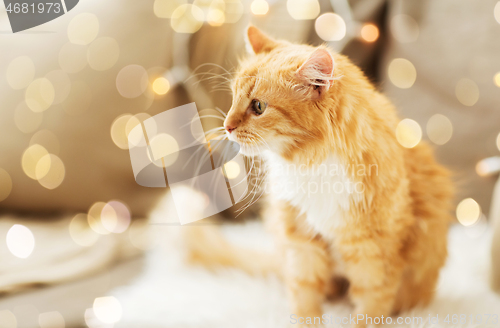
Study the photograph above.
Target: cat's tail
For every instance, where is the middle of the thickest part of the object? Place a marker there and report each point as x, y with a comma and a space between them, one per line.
206, 245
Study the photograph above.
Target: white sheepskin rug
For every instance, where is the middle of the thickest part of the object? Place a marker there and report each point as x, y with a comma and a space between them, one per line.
170, 293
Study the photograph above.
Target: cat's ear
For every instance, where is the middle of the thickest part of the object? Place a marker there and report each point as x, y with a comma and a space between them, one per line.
258, 42
318, 71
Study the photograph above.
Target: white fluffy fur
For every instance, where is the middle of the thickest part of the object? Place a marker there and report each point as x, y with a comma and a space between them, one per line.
172, 294
323, 197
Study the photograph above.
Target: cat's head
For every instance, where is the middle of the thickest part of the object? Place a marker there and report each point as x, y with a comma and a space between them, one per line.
282, 98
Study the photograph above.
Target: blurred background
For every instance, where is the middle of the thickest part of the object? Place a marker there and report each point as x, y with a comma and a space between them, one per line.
80, 240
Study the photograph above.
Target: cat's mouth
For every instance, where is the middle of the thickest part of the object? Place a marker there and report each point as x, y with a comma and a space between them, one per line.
248, 144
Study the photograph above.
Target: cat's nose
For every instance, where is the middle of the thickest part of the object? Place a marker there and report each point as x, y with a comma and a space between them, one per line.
230, 128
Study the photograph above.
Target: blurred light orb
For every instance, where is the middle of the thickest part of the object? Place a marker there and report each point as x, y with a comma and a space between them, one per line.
402, 73
107, 309
370, 32
52, 319
330, 27
61, 83
20, 241
496, 12
232, 169
439, 129
79, 98
216, 17
80, 231
94, 218
165, 8
136, 136
50, 171
72, 58
408, 133
20, 72
496, 78
25, 119
30, 159
468, 212
119, 131
404, 28
8, 319
259, 7
115, 217
139, 234
103, 53
161, 86
132, 81
233, 11
46, 139
187, 19
5, 184
83, 29
163, 145
303, 9
467, 92
40, 95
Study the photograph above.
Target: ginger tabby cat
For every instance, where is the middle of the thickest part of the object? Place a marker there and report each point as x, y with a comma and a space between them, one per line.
379, 212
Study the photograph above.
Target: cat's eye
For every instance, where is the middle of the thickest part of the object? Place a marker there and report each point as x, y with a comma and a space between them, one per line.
258, 106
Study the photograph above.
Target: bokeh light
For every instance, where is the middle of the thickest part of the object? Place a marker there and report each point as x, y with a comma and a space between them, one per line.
50, 171
80, 231
52, 319
259, 7
187, 19
20, 241
20, 72
161, 86
303, 9
8, 319
165, 8
83, 29
439, 129
233, 11
119, 133
72, 57
40, 95
468, 212
115, 217
103, 53
136, 136
94, 218
370, 32
232, 169
498, 141
496, 12
467, 92
79, 98
61, 83
330, 27
162, 145
132, 81
46, 139
107, 309
26, 120
30, 159
139, 234
216, 17
404, 28
402, 73
408, 133
496, 79
5, 184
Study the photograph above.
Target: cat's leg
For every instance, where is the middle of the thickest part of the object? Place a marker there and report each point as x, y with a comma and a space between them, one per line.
306, 262
374, 269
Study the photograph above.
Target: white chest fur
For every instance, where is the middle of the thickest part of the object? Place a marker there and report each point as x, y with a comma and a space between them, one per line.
323, 192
